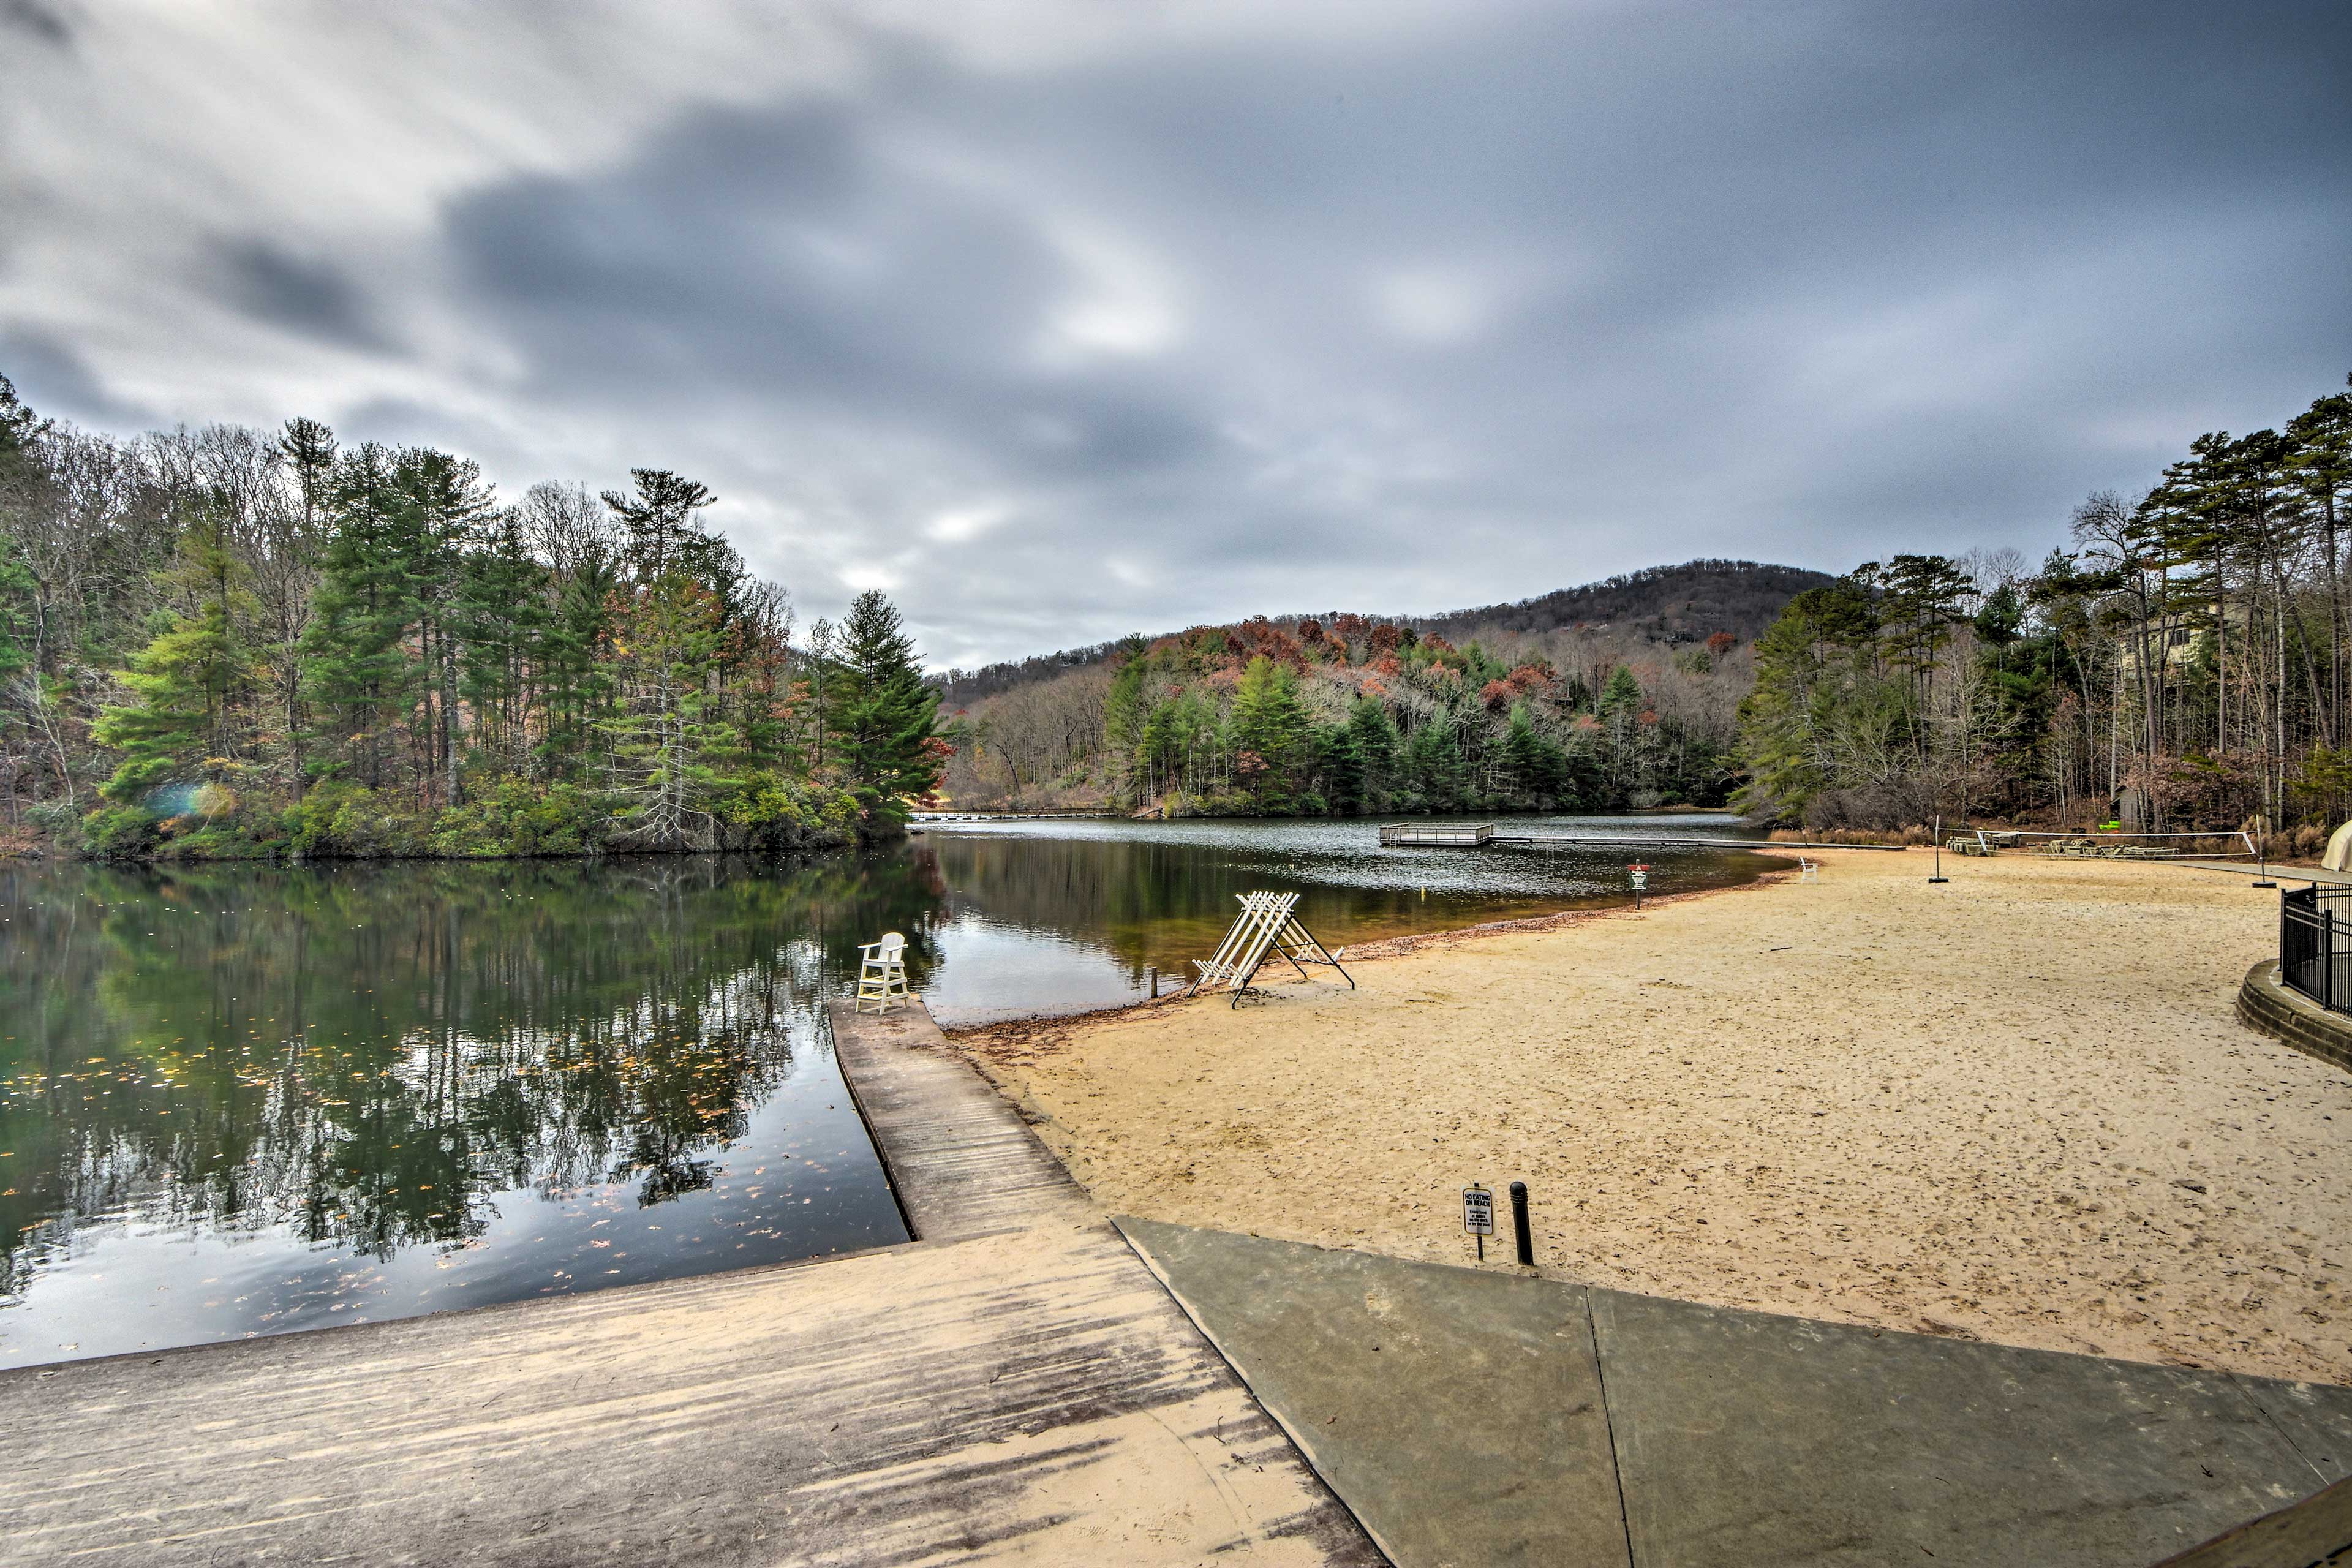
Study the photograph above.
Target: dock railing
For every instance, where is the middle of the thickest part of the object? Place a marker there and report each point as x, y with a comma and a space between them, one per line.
2315, 943
1436, 835
1479, 835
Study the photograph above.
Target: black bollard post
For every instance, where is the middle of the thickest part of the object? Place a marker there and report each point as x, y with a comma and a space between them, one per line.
1519, 1223
1155, 982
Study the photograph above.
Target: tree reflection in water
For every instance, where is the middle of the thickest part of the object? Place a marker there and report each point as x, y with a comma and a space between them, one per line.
240, 1099
364, 1059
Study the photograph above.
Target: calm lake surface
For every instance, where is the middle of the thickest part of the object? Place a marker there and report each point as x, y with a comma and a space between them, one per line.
246, 1100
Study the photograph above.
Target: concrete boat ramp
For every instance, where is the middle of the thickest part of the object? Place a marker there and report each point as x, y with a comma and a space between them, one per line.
1026, 1382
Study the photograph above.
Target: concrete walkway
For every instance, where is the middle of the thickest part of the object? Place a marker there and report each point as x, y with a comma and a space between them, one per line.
1013, 1386
1476, 1417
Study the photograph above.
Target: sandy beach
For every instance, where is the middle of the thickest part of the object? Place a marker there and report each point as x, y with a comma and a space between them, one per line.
2018, 1108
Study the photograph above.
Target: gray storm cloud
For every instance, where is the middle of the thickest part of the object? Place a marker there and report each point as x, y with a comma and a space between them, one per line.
1058, 327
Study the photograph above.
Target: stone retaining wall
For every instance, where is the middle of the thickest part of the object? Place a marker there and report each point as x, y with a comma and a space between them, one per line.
2279, 1010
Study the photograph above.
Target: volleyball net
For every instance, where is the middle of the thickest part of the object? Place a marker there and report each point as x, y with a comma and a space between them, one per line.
2094, 844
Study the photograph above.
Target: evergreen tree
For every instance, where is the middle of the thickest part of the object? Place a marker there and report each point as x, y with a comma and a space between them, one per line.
291, 533
576, 673
1621, 698
15, 617
1126, 706
822, 642
1374, 737
673, 749
358, 675
1270, 734
188, 680
308, 448
2323, 474
1519, 770
663, 534
500, 621
1433, 767
25, 691
1341, 770
449, 502
883, 715
2000, 621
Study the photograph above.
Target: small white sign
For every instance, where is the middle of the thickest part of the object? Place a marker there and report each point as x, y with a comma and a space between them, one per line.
1641, 874
1478, 1211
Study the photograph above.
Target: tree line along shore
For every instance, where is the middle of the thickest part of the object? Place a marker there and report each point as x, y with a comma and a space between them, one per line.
232, 642
2182, 659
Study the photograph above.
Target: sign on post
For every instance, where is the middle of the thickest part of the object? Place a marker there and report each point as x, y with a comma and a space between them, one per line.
1640, 876
1478, 1211
1479, 1215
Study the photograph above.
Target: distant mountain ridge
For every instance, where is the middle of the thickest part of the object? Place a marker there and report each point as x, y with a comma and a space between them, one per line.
1670, 604
1685, 603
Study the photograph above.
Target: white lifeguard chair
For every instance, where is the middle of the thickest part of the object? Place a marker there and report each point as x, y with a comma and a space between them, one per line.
1807, 871
882, 973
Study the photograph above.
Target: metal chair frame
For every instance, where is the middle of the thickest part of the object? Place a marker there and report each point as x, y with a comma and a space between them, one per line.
1265, 926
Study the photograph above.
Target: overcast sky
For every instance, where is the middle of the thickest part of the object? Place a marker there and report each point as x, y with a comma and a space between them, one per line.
1062, 320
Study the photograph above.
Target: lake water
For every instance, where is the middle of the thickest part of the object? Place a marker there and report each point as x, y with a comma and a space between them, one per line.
1066, 916
246, 1100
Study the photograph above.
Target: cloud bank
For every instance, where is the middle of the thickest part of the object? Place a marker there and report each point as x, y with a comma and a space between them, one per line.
1058, 321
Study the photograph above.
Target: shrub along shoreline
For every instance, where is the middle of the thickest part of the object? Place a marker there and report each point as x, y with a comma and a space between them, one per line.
510, 820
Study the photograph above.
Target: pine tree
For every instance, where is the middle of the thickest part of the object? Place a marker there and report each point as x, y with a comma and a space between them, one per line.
308, 448
1375, 738
2323, 473
500, 622
285, 573
1621, 698
663, 534
15, 618
1270, 734
1582, 775
450, 502
1342, 771
27, 647
1126, 707
674, 751
1519, 762
822, 644
358, 678
577, 675
1433, 766
18, 473
190, 677
883, 715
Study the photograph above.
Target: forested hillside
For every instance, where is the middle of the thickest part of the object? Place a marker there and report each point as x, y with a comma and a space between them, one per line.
1622, 693
228, 641
1664, 604
2183, 659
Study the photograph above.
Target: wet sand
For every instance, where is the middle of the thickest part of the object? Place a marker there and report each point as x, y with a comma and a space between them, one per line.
2017, 1108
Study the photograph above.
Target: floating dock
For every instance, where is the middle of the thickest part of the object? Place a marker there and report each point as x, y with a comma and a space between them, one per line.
1479, 835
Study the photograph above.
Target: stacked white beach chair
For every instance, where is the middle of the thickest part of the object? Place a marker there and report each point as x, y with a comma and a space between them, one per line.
1268, 925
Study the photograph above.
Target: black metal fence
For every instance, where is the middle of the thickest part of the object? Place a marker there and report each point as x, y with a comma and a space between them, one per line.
2315, 943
